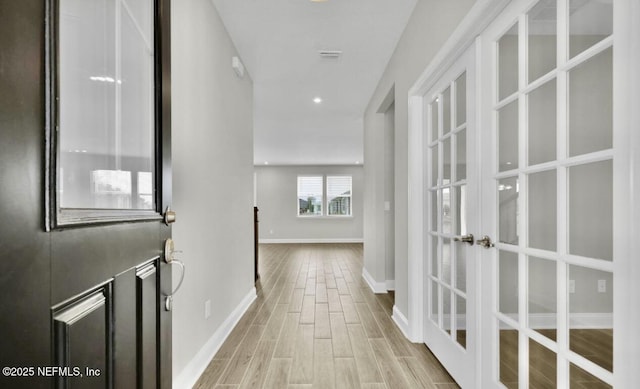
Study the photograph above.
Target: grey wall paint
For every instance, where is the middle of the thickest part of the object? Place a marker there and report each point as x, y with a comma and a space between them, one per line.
212, 176
277, 199
429, 27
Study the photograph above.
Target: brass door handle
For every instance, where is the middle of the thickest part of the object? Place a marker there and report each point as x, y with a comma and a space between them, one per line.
464, 238
485, 242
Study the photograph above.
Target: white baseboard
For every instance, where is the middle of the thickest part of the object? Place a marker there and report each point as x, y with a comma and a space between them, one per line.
390, 284
376, 287
329, 240
402, 323
194, 369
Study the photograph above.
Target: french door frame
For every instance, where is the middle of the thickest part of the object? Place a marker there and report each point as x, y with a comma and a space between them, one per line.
626, 208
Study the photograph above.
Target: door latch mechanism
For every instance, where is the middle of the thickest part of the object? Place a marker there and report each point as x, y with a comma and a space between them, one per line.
485, 242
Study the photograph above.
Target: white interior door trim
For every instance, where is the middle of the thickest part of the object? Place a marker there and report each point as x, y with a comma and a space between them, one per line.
626, 201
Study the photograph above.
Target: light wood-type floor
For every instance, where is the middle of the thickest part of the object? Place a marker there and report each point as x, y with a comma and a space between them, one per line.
316, 324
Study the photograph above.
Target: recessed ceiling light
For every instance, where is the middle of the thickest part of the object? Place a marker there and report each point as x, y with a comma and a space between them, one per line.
317, 100
357, 162
266, 163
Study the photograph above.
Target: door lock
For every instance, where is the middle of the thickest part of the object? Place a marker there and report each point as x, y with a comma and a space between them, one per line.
485, 242
464, 238
169, 216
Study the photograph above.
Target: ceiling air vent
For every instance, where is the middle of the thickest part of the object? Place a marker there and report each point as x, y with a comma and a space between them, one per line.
330, 54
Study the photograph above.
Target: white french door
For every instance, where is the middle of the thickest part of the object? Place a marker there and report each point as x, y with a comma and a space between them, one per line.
548, 185
547, 296
452, 196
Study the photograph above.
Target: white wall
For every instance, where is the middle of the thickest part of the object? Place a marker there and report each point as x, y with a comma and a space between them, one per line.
212, 179
430, 25
277, 201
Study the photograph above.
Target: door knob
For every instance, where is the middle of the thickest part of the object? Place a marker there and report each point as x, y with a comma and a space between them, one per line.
464, 238
485, 242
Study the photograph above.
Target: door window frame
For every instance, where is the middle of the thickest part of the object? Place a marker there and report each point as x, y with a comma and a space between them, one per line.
57, 217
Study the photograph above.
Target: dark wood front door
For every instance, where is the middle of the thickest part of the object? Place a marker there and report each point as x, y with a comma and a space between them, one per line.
82, 297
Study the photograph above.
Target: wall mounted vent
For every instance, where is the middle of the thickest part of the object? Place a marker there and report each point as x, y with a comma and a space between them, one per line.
330, 54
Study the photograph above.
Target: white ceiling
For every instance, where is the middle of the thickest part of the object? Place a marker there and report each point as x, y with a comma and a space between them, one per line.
279, 40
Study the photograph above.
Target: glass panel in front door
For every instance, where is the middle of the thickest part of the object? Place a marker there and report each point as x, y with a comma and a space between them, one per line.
106, 105
554, 195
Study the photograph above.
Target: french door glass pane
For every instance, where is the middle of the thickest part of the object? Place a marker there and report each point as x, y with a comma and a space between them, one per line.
542, 123
446, 261
591, 315
106, 105
508, 63
434, 301
446, 161
591, 105
590, 21
446, 111
509, 356
434, 165
446, 211
461, 209
508, 137
508, 193
581, 379
461, 321
461, 150
542, 38
542, 294
591, 210
434, 210
508, 284
446, 309
542, 210
434, 120
434, 256
461, 99
461, 268
542, 366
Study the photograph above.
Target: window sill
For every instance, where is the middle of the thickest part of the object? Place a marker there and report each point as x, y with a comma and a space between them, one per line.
325, 217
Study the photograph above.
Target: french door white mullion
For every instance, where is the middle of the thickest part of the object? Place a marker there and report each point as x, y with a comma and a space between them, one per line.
506, 101
562, 307
588, 53
590, 367
522, 220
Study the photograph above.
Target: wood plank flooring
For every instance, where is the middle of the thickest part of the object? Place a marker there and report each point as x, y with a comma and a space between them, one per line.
316, 324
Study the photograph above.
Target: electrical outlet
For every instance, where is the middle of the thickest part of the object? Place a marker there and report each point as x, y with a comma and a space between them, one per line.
602, 286
572, 286
207, 309
271, 232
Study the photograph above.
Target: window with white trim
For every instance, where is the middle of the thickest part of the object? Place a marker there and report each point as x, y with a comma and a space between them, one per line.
339, 195
313, 190
310, 190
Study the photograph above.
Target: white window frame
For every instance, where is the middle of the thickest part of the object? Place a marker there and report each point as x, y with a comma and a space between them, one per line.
324, 214
350, 196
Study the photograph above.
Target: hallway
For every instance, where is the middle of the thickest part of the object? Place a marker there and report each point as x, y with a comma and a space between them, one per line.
316, 324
